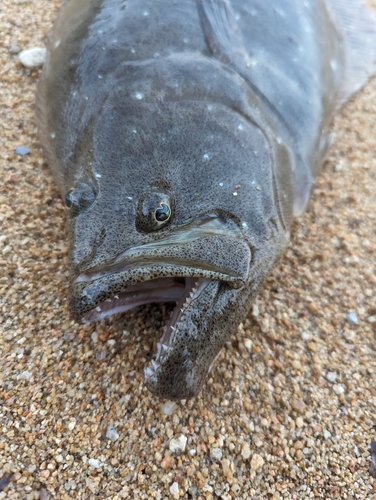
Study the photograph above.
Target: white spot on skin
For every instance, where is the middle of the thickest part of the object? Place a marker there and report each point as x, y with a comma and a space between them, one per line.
128, 198
210, 107
240, 127
57, 43
220, 184
98, 176
146, 13
100, 77
244, 224
206, 156
52, 135
139, 95
133, 51
134, 131
333, 65
235, 194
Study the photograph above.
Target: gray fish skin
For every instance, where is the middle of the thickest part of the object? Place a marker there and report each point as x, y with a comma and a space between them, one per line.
184, 136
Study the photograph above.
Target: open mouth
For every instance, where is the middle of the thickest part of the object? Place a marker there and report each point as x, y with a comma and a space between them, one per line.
170, 270
182, 291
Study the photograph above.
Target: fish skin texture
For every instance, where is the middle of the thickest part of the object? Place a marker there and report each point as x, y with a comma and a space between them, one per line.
221, 110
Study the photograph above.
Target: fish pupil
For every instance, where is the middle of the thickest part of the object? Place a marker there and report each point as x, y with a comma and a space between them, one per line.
162, 214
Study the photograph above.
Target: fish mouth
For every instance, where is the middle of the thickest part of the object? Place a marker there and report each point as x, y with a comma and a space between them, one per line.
169, 270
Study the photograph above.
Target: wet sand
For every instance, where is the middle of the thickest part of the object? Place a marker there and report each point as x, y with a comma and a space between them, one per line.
288, 410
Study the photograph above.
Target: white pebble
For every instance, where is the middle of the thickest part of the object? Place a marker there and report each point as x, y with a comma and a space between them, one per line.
26, 375
174, 490
216, 454
32, 58
168, 407
339, 388
352, 318
326, 434
94, 462
178, 445
112, 434
246, 451
331, 376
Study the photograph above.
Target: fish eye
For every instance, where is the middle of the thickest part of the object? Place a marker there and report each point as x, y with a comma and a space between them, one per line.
163, 213
80, 198
69, 198
154, 212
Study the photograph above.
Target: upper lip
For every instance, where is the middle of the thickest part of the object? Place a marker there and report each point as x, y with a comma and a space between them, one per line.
155, 253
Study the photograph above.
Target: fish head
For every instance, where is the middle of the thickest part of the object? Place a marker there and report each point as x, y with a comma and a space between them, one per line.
180, 203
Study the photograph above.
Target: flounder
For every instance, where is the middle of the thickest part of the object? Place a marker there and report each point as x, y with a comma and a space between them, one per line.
184, 136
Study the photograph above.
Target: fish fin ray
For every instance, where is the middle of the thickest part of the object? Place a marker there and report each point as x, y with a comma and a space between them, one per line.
357, 25
222, 32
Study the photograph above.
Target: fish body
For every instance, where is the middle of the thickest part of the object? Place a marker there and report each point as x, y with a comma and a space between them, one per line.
184, 137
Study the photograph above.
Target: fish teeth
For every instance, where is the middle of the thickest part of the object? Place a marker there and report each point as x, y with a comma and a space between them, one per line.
98, 309
149, 372
163, 350
116, 296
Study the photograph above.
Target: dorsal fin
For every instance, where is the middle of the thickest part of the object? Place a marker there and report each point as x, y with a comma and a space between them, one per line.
357, 25
222, 31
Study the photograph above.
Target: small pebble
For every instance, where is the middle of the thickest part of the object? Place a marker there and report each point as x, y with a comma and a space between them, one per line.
352, 318
174, 490
178, 445
326, 434
112, 434
95, 463
168, 407
13, 49
298, 405
22, 150
43, 494
256, 462
167, 462
339, 388
32, 58
26, 375
331, 376
227, 469
216, 454
246, 451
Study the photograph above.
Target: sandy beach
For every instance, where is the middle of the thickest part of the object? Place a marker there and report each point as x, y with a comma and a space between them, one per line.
289, 409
